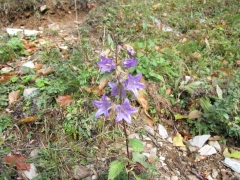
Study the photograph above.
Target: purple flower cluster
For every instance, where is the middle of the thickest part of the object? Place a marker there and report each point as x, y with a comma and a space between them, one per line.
119, 87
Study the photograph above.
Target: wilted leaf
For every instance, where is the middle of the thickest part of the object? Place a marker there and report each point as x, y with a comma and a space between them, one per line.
194, 114
17, 161
115, 168
81, 172
168, 91
179, 116
235, 154
136, 144
5, 78
196, 55
64, 100
95, 90
13, 96
219, 92
103, 83
226, 152
142, 100
44, 72
28, 119
106, 53
185, 135
238, 62
178, 140
193, 86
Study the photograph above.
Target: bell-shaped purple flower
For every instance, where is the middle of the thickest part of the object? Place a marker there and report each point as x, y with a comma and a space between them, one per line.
133, 83
103, 106
130, 63
124, 112
131, 52
117, 87
106, 64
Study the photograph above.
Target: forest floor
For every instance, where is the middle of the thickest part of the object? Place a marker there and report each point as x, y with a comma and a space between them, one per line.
188, 55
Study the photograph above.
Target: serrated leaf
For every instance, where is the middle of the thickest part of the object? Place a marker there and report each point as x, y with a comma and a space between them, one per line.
219, 92
115, 168
205, 104
178, 140
136, 144
193, 86
140, 158
235, 154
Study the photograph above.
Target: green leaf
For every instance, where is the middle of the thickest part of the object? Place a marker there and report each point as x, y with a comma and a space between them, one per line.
140, 158
205, 104
115, 168
193, 86
110, 42
235, 154
136, 144
219, 92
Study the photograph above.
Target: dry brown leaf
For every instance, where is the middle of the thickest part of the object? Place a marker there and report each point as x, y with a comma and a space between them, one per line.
44, 72
106, 53
196, 55
238, 62
142, 100
28, 119
5, 78
168, 91
194, 114
17, 161
64, 100
103, 84
147, 118
95, 90
38, 66
13, 96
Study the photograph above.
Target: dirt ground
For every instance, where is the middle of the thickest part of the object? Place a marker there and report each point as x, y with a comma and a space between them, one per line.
180, 164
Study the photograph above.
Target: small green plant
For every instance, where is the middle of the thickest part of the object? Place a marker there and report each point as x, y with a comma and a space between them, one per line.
5, 121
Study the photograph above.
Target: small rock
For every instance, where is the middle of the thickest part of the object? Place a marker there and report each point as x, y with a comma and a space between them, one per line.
160, 144
174, 178
94, 177
29, 64
192, 177
162, 131
216, 145
134, 135
199, 141
145, 138
149, 146
209, 177
165, 177
149, 129
214, 173
43, 8
81, 172
27, 92
207, 150
153, 151
6, 70
177, 173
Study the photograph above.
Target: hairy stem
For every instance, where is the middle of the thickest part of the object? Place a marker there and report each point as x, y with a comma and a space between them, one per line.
128, 155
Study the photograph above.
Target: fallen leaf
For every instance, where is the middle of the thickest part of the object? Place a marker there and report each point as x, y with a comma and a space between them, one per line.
91, 5
28, 119
106, 53
238, 62
142, 100
196, 55
168, 91
44, 72
81, 172
235, 154
185, 135
5, 78
178, 140
95, 90
17, 161
226, 152
64, 100
194, 114
103, 84
179, 116
13, 96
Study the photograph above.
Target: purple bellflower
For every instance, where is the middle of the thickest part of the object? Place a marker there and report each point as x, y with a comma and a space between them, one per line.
130, 51
103, 106
133, 84
106, 64
124, 111
130, 63
117, 87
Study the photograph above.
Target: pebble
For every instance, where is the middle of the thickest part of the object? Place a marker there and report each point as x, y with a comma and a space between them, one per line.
214, 173
174, 178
